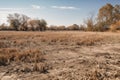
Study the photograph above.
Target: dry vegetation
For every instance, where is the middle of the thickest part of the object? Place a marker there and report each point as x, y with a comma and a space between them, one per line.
62, 55
108, 19
61, 52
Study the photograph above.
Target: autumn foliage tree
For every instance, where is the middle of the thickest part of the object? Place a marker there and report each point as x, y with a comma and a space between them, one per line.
108, 15
116, 13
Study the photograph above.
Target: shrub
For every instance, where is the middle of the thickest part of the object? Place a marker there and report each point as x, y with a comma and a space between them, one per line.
90, 23
53, 27
73, 27
8, 55
61, 28
42, 67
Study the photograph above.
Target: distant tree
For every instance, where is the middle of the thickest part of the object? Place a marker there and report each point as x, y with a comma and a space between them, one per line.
73, 27
53, 27
37, 25
14, 24
33, 25
101, 26
61, 28
106, 14
43, 25
23, 27
109, 14
20, 17
3, 27
90, 23
116, 12
16, 20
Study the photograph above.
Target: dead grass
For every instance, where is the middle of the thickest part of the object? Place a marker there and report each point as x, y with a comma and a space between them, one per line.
29, 48
79, 38
34, 56
8, 55
18, 46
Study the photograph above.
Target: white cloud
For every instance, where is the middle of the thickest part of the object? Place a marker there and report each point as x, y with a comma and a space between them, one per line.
64, 7
36, 7
5, 11
12, 9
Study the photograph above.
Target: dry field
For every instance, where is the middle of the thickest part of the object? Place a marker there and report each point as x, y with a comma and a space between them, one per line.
59, 55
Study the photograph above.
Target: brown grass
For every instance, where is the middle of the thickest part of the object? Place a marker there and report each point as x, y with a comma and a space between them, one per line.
28, 47
9, 54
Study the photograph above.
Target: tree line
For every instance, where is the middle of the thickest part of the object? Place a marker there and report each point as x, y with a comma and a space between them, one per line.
20, 22
108, 18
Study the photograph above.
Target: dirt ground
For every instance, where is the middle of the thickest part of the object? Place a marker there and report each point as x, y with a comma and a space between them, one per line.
68, 55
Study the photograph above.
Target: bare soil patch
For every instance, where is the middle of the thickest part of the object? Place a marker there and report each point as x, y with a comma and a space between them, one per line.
59, 55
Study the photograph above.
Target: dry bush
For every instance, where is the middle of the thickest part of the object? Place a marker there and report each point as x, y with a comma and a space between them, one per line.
101, 74
2, 44
36, 67
30, 56
41, 67
3, 60
115, 27
25, 59
95, 75
6, 55
26, 69
9, 55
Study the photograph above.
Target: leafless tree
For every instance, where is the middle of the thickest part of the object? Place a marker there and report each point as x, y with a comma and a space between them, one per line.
16, 20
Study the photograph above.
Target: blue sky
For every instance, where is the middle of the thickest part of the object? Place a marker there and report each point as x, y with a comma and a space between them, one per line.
55, 12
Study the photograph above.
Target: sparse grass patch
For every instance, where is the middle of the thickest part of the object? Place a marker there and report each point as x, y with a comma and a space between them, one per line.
34, 56
10, 54
89, 40
24, 50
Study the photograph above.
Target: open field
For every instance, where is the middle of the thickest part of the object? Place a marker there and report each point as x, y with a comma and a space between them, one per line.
62, 55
